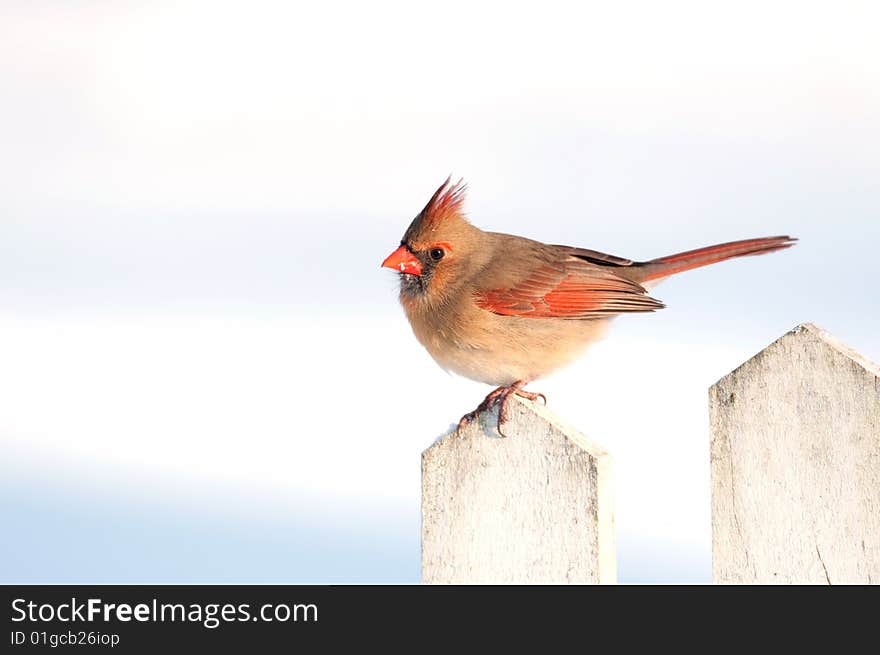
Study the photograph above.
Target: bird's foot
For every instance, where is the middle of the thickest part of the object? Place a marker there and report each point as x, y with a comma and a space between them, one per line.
500, 397
487, 403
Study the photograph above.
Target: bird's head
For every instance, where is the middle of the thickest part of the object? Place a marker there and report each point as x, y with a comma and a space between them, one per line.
433, 249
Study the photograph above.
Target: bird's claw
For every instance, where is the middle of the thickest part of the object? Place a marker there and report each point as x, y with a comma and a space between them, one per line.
528, 395
467, 418
500, 397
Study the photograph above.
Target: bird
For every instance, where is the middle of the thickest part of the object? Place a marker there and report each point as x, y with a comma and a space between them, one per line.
505, 310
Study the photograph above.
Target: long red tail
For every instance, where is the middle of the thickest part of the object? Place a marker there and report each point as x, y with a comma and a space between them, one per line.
685, 261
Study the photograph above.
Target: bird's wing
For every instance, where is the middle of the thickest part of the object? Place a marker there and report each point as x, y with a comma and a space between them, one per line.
569, 287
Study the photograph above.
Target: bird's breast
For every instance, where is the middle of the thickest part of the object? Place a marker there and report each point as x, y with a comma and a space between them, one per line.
498, 350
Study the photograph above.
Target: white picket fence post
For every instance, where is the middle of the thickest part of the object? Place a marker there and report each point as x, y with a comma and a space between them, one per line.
795, 459
534, 507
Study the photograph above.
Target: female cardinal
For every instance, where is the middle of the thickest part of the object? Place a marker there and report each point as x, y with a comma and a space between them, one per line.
506, 310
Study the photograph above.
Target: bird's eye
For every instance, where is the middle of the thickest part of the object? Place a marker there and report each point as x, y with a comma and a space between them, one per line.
437, 254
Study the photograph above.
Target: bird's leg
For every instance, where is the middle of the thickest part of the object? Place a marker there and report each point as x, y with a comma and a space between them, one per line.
516, 389
500, 396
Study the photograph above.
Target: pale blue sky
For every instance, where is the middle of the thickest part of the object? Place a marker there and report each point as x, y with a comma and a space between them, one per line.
200, 353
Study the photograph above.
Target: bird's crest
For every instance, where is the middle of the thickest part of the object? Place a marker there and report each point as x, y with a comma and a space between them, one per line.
447, 201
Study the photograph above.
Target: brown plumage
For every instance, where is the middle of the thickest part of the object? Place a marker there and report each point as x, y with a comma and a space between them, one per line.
506, 310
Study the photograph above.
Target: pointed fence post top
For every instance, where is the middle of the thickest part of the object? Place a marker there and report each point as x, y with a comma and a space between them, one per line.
525, 416
805, 333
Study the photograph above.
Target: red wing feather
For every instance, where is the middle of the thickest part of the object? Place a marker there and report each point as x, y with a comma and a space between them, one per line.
573, 289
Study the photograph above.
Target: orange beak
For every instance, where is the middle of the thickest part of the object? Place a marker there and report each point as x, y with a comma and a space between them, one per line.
404, 261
